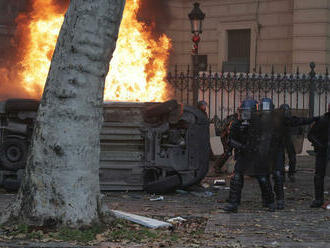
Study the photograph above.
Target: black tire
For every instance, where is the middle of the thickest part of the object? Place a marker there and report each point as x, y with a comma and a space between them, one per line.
163, 185
15, 105
13, 154
200, 175
11, 185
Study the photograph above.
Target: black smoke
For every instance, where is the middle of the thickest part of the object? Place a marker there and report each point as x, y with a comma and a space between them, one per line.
155, 14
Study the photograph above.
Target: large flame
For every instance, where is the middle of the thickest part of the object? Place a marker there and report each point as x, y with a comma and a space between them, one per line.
138, 67
42, 33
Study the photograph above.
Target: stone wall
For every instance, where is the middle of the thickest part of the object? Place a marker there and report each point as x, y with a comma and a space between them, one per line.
283, 32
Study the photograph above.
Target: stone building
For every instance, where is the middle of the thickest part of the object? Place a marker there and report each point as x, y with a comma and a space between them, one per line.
244, 34
253, 33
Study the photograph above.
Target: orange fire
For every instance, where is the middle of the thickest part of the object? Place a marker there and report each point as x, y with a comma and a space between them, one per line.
137, 69
43, 30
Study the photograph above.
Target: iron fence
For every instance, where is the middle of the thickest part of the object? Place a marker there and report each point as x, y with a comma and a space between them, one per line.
224, 91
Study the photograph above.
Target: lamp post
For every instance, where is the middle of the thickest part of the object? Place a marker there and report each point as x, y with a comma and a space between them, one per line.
196, 17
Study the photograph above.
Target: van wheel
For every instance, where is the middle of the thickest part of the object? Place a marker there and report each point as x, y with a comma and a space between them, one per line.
13, 154
163, 185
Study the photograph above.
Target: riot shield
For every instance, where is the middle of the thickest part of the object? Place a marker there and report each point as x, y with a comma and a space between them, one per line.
261, 145
328, 157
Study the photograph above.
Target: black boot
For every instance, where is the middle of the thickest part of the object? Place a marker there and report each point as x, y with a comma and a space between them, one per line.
279, 189
266, 192
319, 192
263, 193
236, 185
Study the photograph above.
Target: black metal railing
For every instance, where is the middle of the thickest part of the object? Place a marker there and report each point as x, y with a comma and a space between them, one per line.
225, 91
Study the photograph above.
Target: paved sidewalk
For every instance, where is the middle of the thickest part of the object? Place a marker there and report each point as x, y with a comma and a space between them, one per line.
296, 226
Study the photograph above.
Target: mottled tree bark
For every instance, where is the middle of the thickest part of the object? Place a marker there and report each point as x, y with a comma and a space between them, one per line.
61, 186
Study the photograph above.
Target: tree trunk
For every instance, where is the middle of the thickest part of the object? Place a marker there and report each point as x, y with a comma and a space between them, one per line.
61, 186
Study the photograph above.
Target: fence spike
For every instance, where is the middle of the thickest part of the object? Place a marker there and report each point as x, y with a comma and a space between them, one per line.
297, 70
284, 69
273, 70
312, 66
260, 69
327, 71
235, 70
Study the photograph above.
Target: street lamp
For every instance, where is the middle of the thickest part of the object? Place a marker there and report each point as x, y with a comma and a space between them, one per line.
196, 17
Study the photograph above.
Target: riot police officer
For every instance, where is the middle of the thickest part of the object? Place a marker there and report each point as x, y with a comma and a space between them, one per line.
245, 139
288, 146
202, 106
282, 121
319, 137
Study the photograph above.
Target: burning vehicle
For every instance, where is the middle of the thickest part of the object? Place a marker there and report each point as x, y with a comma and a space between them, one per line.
155, 147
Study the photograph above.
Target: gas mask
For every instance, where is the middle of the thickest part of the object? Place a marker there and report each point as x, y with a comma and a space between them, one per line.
245, 116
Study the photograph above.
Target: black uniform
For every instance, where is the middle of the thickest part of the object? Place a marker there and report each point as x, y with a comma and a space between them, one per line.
283, 125
290, 150
319, 137
245, 143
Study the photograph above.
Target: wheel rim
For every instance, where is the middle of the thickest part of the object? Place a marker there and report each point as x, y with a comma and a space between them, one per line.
13, 153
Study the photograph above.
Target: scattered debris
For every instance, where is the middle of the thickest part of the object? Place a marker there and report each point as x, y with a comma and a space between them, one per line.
159, 198
202, 194
205, 185
135, 196
275, 243
219, 182
145, 221
176, 220
181, 191
326, 205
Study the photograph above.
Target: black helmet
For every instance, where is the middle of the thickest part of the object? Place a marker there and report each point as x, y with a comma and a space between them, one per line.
286, 109
201, 103
266, 104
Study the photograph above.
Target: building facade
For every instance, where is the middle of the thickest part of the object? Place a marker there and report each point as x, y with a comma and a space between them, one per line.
247, 34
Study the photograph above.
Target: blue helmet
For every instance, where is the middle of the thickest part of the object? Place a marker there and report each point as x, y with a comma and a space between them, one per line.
246, 110
248, 104
266, 104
